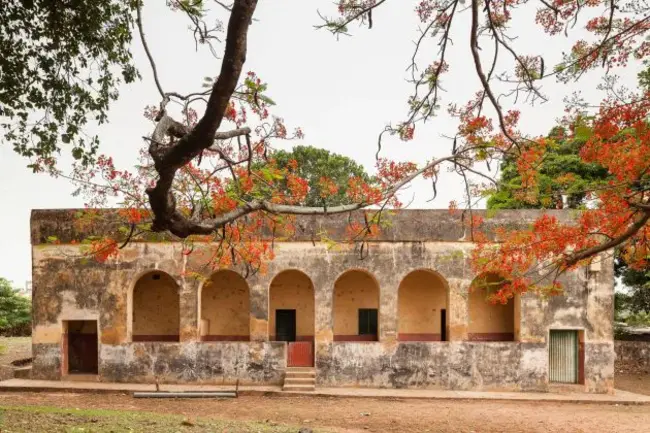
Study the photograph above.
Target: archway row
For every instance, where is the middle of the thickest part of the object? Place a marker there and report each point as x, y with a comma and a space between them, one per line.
224, 306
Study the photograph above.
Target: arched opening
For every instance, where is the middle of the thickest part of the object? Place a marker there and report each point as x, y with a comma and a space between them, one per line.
356, 307
156, 308
225, 308
422, 307
291, 307
488, 321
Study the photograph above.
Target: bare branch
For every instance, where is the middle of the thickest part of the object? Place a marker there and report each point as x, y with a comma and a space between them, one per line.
146, 49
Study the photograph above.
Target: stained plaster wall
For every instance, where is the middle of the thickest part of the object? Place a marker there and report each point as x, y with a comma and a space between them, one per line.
225, 306
293, 290
421, 297
69, 289
155, 306
353, 290
489, 318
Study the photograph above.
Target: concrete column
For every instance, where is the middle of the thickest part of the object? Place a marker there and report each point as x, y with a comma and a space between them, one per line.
324, 314
388, 287
259, 306
458, 315
114, 317
188, 298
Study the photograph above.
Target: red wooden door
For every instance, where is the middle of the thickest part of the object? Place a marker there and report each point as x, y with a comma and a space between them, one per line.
300, 354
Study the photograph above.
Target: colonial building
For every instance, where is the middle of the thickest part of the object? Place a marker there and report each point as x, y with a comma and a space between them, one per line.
399, 315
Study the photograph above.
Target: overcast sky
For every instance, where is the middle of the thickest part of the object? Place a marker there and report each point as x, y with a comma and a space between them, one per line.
342, 93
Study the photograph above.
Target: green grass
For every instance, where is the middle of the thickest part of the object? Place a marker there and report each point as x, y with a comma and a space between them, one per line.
3, 349
18, 419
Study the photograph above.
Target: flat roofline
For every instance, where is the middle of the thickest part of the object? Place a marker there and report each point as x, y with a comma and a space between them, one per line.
404, 225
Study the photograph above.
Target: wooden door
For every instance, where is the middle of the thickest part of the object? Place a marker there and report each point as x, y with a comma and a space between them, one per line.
300, 354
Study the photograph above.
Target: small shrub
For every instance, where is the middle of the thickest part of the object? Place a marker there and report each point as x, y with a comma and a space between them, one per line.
641, 318
15, 312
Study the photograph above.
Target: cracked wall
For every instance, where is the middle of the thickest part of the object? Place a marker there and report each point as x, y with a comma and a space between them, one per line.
69, 288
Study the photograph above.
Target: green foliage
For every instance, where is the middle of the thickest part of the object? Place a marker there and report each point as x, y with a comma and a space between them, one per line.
314, 163
15, 311
641, 319
561, 159
61, 65
639, 283
644, 77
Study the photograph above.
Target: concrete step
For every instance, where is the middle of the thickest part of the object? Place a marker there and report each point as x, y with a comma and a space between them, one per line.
23, 372
299, 381
301, 369
288, 387
299, 374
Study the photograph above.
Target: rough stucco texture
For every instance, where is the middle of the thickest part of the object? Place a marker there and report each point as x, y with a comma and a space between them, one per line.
69, 288
633, 356
225, 305
422, 295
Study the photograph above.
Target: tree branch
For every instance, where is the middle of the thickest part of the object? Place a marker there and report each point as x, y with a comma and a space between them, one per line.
631, 231
169, 160
146, 49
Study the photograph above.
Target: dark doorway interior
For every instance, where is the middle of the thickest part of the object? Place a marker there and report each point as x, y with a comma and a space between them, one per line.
82, 346
368, 322
285, 325
443, 325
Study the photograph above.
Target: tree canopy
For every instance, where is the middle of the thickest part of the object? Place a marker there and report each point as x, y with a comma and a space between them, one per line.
15, 311
203, 172
62, 62
327, 174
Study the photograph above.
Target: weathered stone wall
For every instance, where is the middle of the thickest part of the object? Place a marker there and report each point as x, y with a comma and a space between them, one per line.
632, 356
67, 287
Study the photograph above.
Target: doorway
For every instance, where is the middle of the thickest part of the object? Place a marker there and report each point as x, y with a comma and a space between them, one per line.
80, 347
564, 356
443, 325
285, 325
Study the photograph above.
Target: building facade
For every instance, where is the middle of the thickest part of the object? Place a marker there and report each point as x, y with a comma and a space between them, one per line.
399, 315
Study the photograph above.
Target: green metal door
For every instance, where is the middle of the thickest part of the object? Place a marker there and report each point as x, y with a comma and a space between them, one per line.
563, 356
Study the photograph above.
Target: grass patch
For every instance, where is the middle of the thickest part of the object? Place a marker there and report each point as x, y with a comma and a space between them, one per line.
19, 419
3, 349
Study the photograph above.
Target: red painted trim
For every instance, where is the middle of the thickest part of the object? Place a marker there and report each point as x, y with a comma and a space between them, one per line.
298, 338
225, 338
355, 338
581, 362
419, 337
174, 338
491, 336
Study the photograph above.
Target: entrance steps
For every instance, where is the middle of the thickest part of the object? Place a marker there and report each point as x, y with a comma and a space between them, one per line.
299, 379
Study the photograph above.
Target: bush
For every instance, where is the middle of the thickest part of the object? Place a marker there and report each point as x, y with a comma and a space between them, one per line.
642, 318
15, 312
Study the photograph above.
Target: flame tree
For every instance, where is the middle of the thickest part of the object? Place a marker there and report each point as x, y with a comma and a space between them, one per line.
211, 175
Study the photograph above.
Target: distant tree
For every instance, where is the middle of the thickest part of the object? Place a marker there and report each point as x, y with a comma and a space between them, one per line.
322, 169
15, 311
562, 172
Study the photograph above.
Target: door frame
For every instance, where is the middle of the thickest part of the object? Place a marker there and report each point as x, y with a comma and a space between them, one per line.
65, 346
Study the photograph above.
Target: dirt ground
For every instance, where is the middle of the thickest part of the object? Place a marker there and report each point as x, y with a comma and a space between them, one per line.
638, 383
13, 349
348, 415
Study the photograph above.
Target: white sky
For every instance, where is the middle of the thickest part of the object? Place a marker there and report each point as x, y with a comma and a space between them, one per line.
342, 93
